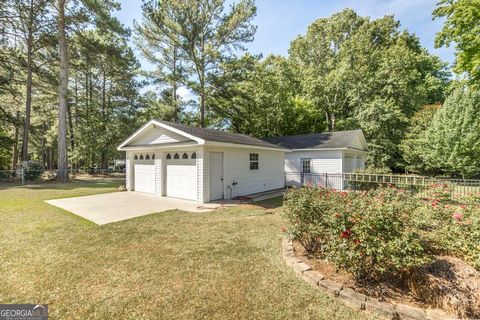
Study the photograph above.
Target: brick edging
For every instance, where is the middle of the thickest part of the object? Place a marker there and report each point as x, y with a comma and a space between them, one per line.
355, 299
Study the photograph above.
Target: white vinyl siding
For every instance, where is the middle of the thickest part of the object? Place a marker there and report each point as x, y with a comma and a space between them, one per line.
321, 162
158, 173
243, 181
157, 136
329, 161
200, 176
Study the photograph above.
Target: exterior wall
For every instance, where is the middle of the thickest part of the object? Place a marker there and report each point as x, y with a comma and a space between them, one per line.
159, 172
321, 162
157, 136
353, 161
202, 187
236, 168
129, 171
328, 161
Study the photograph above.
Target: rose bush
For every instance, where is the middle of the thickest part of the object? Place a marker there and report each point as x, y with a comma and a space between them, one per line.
368, 234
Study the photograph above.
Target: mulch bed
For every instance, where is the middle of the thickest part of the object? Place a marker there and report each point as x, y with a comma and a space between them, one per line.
448, 283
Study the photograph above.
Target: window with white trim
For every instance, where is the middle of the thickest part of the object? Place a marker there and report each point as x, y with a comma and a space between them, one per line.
306, 165
253, 161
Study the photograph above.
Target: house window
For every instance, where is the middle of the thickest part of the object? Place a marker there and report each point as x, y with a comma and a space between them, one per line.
147, 157
135, 157
194, 156
184, 155
176, 156
141, 157
253, 161
169, 156
306, 165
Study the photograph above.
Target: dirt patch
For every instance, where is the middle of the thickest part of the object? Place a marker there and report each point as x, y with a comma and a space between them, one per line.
448, 283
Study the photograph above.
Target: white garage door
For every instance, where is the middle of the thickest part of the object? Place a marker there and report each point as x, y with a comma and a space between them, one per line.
182, 178
145, 178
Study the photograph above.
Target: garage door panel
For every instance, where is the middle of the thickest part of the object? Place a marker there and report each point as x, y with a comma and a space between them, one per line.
144, 178
182, 180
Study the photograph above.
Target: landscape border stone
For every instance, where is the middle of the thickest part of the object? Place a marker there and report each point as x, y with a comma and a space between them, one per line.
356, 300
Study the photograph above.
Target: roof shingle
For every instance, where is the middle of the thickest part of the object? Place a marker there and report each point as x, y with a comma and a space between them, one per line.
325, 140
221, 136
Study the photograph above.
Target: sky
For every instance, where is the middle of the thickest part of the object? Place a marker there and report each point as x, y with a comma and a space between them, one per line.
281, 21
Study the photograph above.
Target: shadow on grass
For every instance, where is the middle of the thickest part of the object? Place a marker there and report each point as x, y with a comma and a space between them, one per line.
272, 203
70, 185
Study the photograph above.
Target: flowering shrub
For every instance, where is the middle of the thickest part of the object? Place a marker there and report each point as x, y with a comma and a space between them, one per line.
367, 234
440, 192
380, 236
308, 210
452, 228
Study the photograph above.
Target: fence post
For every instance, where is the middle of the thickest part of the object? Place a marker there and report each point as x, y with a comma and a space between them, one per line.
23, 175
326, 180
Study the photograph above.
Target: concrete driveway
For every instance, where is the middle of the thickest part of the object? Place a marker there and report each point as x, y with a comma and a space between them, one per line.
117, 206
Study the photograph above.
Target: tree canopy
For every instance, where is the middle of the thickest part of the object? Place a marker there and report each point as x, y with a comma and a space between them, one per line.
75, 88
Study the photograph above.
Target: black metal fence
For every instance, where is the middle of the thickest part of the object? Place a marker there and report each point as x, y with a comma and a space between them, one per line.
26, 176
365, 181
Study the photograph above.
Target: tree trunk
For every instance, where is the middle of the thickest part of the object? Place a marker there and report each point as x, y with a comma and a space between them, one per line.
103, 160
44, 144
62, 94
202, 103
15, 143
70, 127
174, 88
28, 103
330, 118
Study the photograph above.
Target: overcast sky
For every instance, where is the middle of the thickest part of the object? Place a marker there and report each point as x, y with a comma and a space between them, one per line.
281, 21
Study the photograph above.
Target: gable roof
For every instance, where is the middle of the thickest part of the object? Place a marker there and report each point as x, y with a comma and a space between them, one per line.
325, 140
203, 135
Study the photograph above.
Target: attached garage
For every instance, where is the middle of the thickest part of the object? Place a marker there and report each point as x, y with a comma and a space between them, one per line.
173, 160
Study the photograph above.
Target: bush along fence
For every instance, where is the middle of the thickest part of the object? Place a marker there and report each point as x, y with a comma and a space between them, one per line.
364, 181
26, 175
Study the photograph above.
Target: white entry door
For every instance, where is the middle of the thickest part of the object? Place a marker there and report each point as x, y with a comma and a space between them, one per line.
145, 178
182, 178
216, 175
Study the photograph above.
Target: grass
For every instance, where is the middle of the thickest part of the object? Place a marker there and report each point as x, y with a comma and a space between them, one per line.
173, 265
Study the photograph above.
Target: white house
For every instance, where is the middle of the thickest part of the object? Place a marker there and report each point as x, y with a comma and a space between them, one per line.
313, 155
174, 160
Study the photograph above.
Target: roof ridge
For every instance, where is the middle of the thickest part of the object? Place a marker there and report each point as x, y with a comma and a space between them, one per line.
311, 134
233, 135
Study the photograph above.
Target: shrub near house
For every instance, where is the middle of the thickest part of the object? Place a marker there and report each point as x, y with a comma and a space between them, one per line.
367, 234
383, 231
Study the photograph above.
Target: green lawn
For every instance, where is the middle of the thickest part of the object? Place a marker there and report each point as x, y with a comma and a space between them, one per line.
172, 265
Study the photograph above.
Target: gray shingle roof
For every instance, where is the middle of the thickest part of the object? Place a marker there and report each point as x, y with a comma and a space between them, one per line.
221, 136
325, 140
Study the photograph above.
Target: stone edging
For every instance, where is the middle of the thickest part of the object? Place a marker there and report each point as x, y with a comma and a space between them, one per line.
355, 299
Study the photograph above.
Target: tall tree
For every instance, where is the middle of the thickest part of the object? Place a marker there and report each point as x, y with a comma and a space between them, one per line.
62, 92
28, 23
324, 66
83, 13
166, 54
369, 74
415, 143
206, 34
454, 136
462, 26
